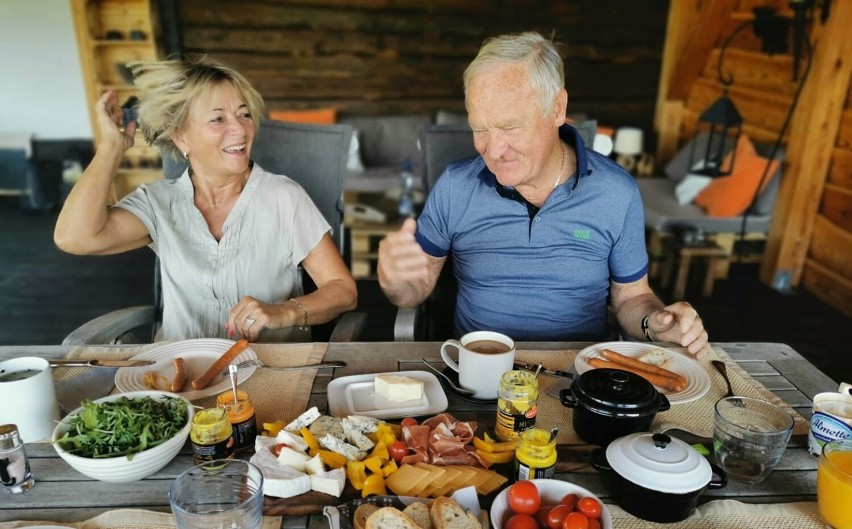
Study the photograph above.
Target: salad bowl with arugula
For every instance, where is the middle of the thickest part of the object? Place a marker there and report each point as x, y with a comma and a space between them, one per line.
125, 437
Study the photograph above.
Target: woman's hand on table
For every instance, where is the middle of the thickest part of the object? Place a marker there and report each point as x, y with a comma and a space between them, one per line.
680, 323
250, 316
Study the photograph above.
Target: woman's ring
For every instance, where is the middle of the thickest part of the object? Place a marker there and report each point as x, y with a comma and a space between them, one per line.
250, 321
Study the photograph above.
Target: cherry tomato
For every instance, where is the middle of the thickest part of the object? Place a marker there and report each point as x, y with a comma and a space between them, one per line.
521, 521
570, 501
408, 421
524, 498
594, 524
398, 450
541, 515
590, 507
575, 520
276, 450
556, 516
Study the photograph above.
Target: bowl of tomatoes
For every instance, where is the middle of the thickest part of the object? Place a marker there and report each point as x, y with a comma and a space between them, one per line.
548, 504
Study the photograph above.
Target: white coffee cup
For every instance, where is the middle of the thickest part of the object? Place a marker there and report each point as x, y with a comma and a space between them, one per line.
28, 397
483, 358
831, 420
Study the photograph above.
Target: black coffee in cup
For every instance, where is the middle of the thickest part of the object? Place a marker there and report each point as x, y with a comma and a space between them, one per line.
487, 347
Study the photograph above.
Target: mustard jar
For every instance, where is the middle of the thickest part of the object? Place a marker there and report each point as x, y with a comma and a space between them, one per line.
212, 436
517, 404
535, 456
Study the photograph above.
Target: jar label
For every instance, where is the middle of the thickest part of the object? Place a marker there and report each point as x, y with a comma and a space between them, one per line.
221, 450
509, 426
523, 472
245, 433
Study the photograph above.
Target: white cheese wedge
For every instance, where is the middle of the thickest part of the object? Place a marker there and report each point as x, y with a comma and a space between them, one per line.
278, 480
338, 446
356, 437
315, 466
304, 420
292, 440
398, 388
331, 482
293, 459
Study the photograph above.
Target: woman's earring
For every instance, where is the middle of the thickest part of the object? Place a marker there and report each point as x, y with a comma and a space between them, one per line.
186, 155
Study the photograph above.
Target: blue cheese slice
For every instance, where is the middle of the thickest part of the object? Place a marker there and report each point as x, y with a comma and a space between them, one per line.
338, 446
398, 388
363, 424
304, 420
354, 436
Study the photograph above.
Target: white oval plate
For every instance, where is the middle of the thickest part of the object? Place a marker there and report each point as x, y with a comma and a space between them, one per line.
697, 379
355, 395
198, 355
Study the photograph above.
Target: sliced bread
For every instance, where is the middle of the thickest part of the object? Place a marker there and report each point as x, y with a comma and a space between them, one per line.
419, 512
657, 357
390, 518
447, 514
359, 518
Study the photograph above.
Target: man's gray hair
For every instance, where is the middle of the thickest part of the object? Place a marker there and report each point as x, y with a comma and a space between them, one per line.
539, 54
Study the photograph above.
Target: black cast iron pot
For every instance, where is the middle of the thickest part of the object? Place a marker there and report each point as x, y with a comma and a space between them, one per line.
610, 403
656, 477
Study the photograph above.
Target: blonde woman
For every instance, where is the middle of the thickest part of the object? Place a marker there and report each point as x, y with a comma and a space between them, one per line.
230, 236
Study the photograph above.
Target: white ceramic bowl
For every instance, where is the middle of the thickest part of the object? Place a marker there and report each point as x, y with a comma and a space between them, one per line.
118, 469
551, 491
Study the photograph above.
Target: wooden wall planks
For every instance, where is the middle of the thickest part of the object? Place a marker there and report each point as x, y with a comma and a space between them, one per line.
373, 57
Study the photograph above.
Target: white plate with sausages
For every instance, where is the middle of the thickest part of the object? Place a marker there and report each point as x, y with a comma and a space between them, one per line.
198, 355
697, 379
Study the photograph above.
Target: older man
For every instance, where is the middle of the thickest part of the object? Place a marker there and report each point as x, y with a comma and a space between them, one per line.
543, 231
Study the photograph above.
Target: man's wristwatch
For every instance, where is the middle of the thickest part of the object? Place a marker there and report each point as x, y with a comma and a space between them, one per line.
645, 330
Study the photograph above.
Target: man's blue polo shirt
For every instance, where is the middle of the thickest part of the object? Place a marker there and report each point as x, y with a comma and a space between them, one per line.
545, 277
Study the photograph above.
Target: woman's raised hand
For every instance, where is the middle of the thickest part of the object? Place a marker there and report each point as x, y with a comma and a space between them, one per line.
109, 114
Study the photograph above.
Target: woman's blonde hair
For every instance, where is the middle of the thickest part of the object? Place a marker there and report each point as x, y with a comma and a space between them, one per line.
168, 88
537, 53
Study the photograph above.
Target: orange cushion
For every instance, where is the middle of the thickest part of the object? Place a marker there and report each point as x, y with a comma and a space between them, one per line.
729, 196
320, 116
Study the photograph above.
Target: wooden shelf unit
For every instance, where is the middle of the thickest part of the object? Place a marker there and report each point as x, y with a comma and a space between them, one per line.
98, 24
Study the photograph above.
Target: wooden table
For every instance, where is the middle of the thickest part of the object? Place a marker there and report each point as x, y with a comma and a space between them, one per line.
62, 494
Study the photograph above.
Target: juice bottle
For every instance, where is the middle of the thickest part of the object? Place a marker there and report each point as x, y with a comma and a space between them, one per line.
834, 484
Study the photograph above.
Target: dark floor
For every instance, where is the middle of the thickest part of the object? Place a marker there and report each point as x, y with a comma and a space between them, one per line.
44, 294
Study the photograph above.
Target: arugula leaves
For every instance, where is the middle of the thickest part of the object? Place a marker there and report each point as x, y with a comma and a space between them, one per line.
123, 427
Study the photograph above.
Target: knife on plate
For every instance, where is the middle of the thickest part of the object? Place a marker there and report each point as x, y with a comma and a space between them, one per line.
543, 370
100, 363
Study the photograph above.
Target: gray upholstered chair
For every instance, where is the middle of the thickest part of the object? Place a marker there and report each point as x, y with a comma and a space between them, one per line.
314, 156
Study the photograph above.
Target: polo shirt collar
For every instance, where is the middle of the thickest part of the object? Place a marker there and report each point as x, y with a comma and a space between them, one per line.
572, 137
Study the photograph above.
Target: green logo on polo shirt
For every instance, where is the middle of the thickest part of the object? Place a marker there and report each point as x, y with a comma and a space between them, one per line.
582, 234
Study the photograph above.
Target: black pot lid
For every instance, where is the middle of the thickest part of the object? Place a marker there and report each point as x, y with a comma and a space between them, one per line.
616, 393
659, 462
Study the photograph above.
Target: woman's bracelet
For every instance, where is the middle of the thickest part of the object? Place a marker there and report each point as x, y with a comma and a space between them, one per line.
645, 329
304, 326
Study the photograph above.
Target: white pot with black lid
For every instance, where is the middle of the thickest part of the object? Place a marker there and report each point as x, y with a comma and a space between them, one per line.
655, 476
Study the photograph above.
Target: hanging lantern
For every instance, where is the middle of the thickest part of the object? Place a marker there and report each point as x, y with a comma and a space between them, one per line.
721, 123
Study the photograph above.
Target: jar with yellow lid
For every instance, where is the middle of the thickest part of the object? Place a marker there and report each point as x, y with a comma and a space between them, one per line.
535, 456
241, 417
211, 435
517, 404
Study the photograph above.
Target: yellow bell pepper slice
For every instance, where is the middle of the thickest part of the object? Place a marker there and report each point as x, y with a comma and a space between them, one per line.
487, 437
355, 471
332, 459
496, 457
313, 445
381, 451
373, 464
491, 446
374, 485
272, 428
390, 468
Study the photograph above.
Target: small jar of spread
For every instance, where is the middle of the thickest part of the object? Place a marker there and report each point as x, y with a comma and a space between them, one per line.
517, 404
212, 436
241, 416
535, 456
15, 473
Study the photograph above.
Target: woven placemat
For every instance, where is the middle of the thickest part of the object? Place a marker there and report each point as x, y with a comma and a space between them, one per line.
732, 514
695, 417
275, 394
128, 519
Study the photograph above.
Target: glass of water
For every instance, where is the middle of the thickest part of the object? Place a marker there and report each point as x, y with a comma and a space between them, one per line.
220, 494
749, 437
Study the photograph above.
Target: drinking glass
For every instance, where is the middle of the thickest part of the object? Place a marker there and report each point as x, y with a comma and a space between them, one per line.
749, 437
219, 494
834, 484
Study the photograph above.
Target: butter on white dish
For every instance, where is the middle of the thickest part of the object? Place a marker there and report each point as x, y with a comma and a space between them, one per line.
398, 388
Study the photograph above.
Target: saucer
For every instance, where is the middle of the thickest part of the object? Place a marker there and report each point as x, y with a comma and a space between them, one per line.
452, 375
